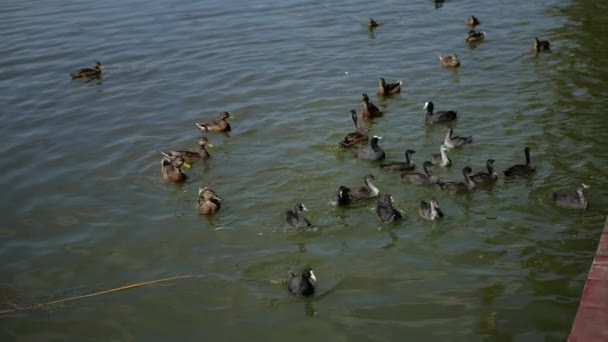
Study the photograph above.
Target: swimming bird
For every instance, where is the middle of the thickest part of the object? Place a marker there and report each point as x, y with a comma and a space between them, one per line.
440, 116
371, 24
441, 158
95, 72
430, 211
467, 185
373, 152
451, 141
369, 190
571, 201
421, 178
190, 156
472, 21
171, 168
521, 169
342, 198
475, 36
486, 177
302, 285
295, 217
540, 45
220, 125
209, 202
385, 209
386, 89
449, 60
356, 137
368, 110
401, 166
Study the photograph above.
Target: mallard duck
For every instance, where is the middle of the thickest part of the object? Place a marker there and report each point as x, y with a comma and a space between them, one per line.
430, 211
190, 156
475, 36
302, 285
295, 217
540, 45
521, 169
367, 191
440, 116
467, 185
386, 89
220, 125
88, 72
368, 110
472, 21
486, 177
441, 158
373, 152
385, 209
356, 137
372, 23
566, 200
401, 166
172, 168
449, 60
451, 141
421, 178
208, 201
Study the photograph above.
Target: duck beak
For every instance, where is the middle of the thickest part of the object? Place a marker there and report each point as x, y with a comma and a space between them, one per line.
187, 165
209, 144
232, 116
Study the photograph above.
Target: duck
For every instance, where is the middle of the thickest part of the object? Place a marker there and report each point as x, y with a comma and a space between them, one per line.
386, 89
358, 136
441, 158
342, 198
373, 152
475, 36
467, 185
451, 141
449, 60
371, 23
171, 168
369, 190
95, 72
385, 209
369, 110
430, 210
566, 200
421, 178
521, 169
540, 45
208, 201
302, 285
220, 125
489, 177
472, 21
190, 156
401, 166
295, 217
440, 116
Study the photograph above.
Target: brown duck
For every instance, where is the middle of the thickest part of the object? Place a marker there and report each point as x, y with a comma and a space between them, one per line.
449, 60
171, 168
208, 201
368, 110
386, 89
541, 45
472, 21
475, 36
220, 125
190, 156
95, 72
356, 137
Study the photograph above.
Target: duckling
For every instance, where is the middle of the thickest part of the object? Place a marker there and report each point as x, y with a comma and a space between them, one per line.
369, 190
208, 201
440, 116
371, 24
386, 89
453, 142
88, 72
295, 217
577, 201
472, 21
475, 36
441, 158
356, 137
220, 125
449, 60
467, 185
540, 45
407, 165
171, 168
430, 211
489, 177
521, 169
190, 156
302, 285
421, 178
342, 198
373, 152
368, 110
385, 209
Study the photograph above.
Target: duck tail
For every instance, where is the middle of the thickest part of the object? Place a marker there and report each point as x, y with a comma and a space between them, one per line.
203, 127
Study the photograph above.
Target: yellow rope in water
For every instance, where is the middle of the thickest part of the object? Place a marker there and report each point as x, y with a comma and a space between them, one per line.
126, 287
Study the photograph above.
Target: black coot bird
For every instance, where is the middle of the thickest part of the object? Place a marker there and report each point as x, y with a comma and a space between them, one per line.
421, 178
295, 217
521, 169
430, 211
373, 152
438, 117
489, 177
572, 201
386, 210
302, 285
467, 185
342, 198
401, 166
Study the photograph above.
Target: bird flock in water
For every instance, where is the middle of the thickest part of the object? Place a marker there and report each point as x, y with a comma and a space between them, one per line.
303, 284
